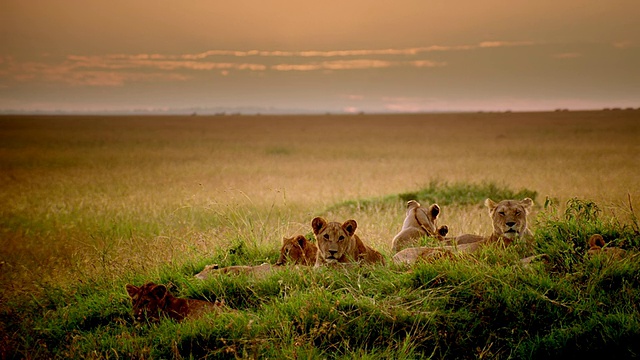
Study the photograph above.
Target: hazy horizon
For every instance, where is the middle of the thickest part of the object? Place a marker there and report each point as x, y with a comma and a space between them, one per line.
289, 56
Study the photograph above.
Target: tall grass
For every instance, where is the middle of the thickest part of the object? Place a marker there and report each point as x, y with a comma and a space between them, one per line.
487, 305
90, 205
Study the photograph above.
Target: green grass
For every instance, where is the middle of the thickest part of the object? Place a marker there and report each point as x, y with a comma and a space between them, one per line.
483, 306
443, 194
91, 204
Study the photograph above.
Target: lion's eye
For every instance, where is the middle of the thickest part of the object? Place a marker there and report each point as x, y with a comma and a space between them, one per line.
326, 236
501, 213
341, 238
517, 212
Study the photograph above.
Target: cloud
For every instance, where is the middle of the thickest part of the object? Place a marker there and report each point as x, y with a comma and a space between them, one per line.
494, 44
352, 97
427, 63
119, 69
157, 62
81, 73
624, 44
354, 52
360, 64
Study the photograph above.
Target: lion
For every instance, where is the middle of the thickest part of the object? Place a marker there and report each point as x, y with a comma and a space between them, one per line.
410, 256
338, 244
257, 270
419, 222
509, 221
297, 250
151, 301
598, 246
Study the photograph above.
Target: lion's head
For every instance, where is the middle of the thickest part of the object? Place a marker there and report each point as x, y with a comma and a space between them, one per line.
148, 301
426, 219
419, 222
151, 302
509, 218
297, 250
335, 241
597, 245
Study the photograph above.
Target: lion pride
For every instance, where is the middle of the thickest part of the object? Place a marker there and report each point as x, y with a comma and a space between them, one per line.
338, 243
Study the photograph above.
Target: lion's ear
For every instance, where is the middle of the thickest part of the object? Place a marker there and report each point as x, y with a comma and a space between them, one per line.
434, 211
527, 203
302, 241
412, 204
132, 290
350, 227
596, 241
443, 230
159, 291
317, 224
490, 204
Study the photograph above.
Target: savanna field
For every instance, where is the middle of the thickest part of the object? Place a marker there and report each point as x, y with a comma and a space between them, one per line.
90, 204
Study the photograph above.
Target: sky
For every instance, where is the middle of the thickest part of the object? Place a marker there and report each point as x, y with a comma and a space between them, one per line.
262, 56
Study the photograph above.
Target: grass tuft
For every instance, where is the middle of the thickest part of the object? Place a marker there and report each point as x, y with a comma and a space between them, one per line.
443, 194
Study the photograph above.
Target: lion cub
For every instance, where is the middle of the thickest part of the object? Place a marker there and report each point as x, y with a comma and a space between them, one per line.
151, 301
338, 243
419, 222
597, 246
297, 250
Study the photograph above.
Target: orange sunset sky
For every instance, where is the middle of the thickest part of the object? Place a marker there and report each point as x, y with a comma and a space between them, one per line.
254, 56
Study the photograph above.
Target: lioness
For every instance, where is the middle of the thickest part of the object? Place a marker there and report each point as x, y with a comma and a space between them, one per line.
151, 301
338, 243
257, 270
509, 220
419, 222
297, 250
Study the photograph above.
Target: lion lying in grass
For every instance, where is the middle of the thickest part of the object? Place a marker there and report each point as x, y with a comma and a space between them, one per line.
418, 223
151, 302
257, 270
597, 246
509, 221
338, 244
295, 250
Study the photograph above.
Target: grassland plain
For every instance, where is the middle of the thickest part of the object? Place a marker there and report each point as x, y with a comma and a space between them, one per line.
92, 203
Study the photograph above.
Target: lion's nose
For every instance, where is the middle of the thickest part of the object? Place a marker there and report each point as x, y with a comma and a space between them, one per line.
333, 252
511, 223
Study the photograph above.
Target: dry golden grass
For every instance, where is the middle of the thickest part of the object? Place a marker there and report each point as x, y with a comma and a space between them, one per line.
101, 195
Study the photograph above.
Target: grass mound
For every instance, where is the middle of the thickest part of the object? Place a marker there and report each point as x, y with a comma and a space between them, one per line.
488, 305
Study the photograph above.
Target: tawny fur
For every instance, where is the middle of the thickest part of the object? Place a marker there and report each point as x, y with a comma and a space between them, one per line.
297, 250
597, 245
151, 302
419, 222
257, 270
338, 244
509, 220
